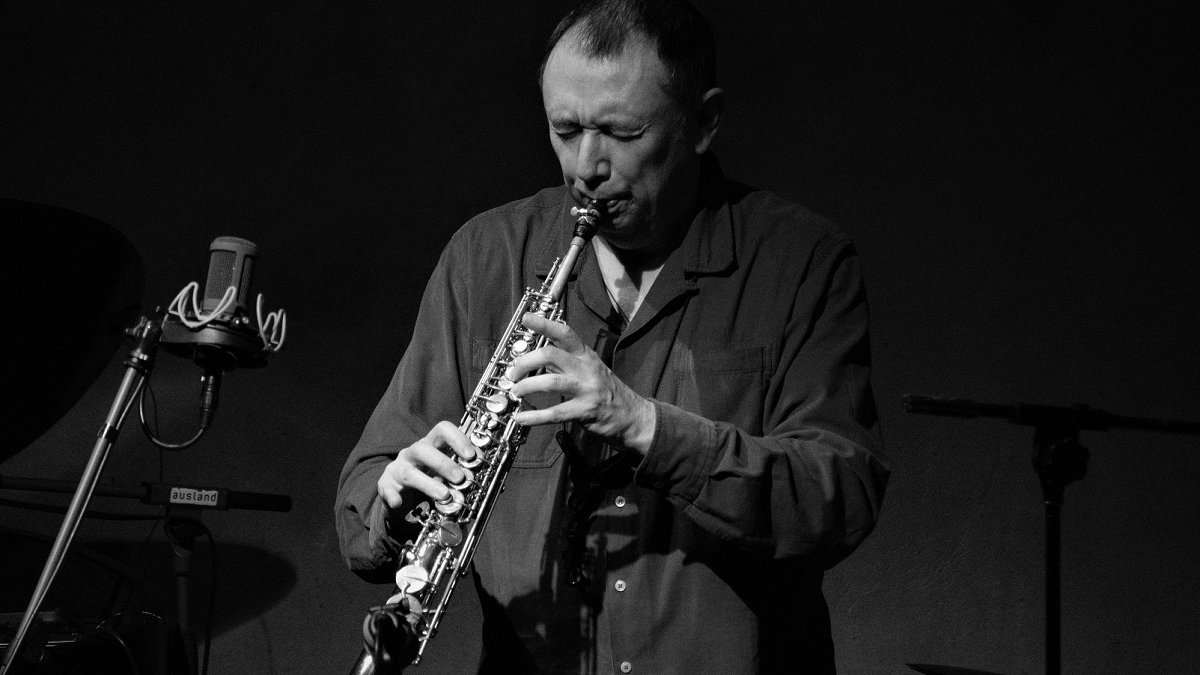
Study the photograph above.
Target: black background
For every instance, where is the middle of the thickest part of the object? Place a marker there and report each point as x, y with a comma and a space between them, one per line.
1019, 178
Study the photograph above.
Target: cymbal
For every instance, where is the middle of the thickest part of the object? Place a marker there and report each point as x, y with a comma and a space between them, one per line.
73, 285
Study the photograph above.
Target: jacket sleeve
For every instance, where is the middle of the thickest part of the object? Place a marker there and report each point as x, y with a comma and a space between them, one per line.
425, 389
811, 485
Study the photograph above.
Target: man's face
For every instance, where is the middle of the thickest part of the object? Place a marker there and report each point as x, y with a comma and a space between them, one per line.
619, 139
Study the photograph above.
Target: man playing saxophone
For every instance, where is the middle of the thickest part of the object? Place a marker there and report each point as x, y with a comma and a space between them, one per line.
702, 438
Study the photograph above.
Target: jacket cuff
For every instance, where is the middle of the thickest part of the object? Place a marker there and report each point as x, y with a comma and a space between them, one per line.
681, 455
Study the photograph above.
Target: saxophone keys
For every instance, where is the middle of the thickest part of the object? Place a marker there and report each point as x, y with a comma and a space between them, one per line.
412, 579
504, 380
406, 603
498, 403
449, 534
520, 346
452, 503
480, 438
467, 480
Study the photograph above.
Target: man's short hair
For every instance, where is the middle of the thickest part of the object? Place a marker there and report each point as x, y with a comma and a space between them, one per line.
681, 34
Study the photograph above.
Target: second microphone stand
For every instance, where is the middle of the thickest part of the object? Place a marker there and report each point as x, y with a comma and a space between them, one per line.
1058, 459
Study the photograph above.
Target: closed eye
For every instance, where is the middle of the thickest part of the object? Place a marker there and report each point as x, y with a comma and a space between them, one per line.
623, 133
565, 131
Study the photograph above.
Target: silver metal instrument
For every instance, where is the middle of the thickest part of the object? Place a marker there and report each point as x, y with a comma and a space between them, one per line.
396, 633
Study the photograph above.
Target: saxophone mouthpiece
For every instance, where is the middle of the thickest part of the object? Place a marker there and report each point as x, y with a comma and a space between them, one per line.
586, 218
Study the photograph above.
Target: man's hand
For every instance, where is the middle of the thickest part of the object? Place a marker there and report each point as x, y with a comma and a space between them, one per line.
425, 466
595, 397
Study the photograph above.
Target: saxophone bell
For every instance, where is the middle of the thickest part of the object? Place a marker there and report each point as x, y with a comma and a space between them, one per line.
391, 641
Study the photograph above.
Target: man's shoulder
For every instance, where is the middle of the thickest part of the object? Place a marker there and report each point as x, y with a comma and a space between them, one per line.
518, 217
772, 220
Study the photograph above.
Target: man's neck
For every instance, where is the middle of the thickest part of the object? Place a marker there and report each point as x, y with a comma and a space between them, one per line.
628, 275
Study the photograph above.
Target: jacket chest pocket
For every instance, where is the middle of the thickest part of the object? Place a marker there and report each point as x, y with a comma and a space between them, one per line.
726, 385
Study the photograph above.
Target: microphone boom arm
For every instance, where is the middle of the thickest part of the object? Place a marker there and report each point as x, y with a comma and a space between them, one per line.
138, 365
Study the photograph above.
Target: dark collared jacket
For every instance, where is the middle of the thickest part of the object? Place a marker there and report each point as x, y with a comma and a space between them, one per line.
766, 466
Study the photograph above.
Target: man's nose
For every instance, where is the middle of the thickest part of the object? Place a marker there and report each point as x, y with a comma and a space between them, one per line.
592, 164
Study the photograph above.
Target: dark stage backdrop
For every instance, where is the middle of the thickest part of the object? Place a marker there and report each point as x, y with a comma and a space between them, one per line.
1017, 176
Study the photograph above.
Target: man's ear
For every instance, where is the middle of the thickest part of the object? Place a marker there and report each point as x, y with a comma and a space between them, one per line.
709, 118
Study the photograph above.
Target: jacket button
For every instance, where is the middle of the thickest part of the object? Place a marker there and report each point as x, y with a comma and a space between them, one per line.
619, 501
626, 666
619, 585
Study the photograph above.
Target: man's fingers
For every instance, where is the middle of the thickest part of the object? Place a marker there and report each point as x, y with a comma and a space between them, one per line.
436, 464
423, 467
550, 358
552, 383
427, 484
559, 333
390, 492
562, 412
445, 435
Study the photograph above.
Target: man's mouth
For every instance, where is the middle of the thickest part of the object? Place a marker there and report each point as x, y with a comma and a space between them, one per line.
608, 204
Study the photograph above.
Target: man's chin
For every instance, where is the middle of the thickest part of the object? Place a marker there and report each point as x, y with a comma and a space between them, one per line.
625, 237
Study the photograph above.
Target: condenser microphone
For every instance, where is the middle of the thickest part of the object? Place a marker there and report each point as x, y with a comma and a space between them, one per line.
219, 332
230, 264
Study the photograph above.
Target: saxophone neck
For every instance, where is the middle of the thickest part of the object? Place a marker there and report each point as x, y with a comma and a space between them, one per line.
551, 275
586, 224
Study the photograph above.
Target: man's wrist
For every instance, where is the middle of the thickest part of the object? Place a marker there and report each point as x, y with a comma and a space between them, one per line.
645, 422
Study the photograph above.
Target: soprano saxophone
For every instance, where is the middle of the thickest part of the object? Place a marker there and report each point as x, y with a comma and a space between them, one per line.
396, 633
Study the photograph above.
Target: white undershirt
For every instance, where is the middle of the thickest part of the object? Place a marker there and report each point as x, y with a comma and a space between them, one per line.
626, 289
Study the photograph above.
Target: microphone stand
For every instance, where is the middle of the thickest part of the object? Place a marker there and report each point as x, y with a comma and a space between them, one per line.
185, 505
1058, 459
138, 365
181, 529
